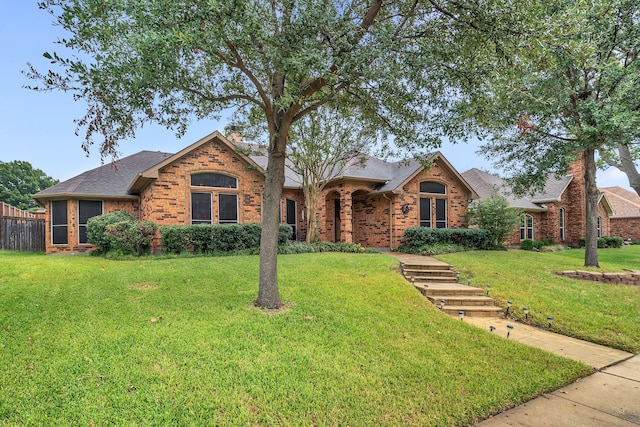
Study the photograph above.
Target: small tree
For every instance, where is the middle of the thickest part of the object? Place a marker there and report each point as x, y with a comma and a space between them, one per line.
494, 215
321, 146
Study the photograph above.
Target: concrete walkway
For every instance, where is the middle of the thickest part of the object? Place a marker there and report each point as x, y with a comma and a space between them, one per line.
610, 397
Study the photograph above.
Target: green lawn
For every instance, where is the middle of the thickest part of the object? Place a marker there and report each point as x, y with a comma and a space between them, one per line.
600, 313
84, 340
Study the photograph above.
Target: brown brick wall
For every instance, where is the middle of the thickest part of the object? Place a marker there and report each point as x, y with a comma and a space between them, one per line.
167, 201
627, 228
365, 215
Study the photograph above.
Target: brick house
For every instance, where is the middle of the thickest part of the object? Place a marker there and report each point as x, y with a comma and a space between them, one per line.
557, 212
212, 181
625, 220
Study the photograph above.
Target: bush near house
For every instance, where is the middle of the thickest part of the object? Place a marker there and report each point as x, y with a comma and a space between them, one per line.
528, 244
120, 232
604, 242
206, 238
470, 238
97, 227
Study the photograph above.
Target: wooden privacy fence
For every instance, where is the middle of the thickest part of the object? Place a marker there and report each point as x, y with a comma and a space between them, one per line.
20, 230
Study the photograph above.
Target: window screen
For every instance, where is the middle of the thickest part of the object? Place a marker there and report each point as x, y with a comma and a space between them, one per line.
291, 216
87, 209
425, 212
200, 208
59, 222
441, 213
228, 208
213, 180
432, 187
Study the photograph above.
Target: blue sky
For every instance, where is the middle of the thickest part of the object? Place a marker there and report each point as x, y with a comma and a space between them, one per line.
39, 127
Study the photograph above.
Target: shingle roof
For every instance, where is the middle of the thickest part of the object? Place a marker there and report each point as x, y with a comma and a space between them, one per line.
108, 180
624, 203
486, 185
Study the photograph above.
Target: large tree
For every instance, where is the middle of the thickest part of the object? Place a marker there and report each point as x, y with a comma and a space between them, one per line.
19, 181
572, 92
170, 61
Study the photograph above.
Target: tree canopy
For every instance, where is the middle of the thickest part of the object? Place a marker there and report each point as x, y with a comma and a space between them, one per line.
573, 92
169, 61
19, 181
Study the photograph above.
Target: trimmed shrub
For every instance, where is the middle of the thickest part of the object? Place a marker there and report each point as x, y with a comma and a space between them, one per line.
471, 238
175, 238
96, 228
528, 244
131, 237
208, 238
604, 242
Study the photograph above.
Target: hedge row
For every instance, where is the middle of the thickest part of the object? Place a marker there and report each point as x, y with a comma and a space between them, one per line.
528, 244
604, 242
472, 238
206, 238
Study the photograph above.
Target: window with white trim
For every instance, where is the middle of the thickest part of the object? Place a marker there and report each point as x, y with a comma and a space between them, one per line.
561, 220
201, 208
227, 208
599, 227
526, 227
433, 204
214, 180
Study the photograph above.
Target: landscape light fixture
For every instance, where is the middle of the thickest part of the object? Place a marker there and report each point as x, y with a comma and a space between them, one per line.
488, 289
442, 303
492, 328
469, 281
509, 304
458, 276
550, 320
461, 314
509, 329
526, 313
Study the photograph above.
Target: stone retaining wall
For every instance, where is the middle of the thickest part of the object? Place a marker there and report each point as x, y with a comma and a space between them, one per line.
631, 278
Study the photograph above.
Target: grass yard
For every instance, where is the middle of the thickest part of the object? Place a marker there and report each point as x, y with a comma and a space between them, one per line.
85, 341
596, 312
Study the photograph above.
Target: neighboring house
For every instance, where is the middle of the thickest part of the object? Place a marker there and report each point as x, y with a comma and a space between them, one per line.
625, 220
212, 182
557, 212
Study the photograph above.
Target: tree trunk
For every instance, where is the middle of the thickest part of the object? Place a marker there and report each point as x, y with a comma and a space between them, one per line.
268, 292
591, 209
629, 167
311, 200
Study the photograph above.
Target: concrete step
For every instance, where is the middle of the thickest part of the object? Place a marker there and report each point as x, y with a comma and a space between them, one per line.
408, 272
447, 289
432, 279
455, 301
426, 266
473, 311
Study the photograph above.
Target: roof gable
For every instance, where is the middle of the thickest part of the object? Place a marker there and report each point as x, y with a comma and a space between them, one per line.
624, 203
142, 179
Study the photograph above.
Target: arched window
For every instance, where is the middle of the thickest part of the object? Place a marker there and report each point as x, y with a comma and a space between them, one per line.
433, 204
212, 179
526, 227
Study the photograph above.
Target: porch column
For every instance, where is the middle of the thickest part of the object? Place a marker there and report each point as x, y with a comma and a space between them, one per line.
346, 217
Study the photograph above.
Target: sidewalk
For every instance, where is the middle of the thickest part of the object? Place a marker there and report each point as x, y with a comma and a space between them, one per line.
610, 397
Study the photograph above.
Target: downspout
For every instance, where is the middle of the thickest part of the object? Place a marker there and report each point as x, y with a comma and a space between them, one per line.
390, 220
